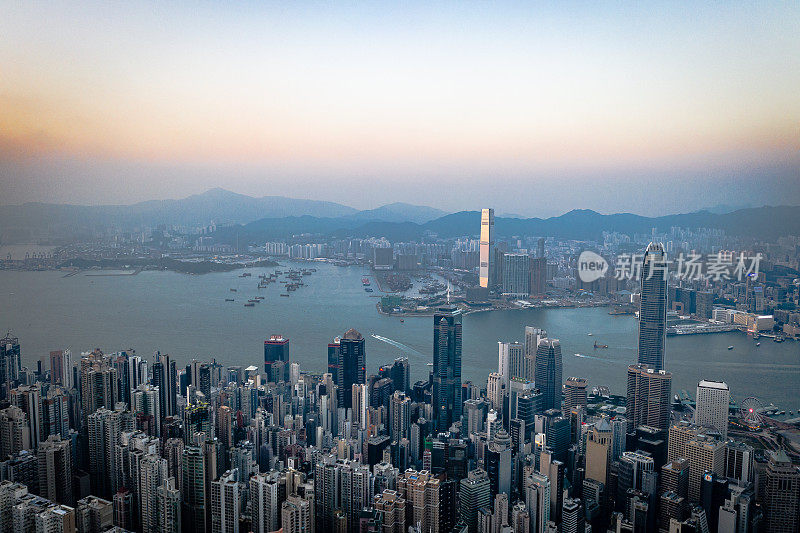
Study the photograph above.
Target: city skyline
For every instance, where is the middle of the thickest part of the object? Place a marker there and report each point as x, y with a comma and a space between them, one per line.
380, 103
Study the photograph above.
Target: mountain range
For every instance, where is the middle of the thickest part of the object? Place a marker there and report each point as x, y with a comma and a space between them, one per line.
763, 223
37, 222
242, 218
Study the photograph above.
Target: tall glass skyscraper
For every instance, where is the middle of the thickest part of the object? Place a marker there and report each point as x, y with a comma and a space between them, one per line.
352, 366
547, 374
653, 308
276, 350
446, 367
486, 248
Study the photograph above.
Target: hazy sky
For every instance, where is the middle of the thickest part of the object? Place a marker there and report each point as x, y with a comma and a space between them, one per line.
533, 109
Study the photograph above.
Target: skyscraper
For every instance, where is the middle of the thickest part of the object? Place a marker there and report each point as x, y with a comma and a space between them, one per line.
511, 361
547, 373
781, 494
10, 363
55, 470
532, 337
193, 489
276, 349
474, 494
352, 366
400, 374
711, 409
225, 503
61, 368
333, 358
164, 377
486, 248
575, 393
399, 416
516, 275
649, 394
446, 367
538, 276
653, 308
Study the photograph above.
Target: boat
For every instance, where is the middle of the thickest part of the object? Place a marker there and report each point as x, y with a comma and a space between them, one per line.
253, 301
590, 334
233, 290
730, 347
779, 338
259, 297
249, 305
401, 320
285, 295
758, 344
368, 289
596, 346
228, 299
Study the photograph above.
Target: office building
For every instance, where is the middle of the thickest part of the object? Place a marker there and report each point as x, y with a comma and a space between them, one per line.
400, 374
516, 275
711, 406
575, 393
573, 517
598, 451
532, 337
538, 277
739, 461
510, 361
653, 307
352, 366
333, 359
781, 494
649, 397
548, 373
474, 494
486, 267
164, 377
705, 454
537, 500
193, 489
446, 397
276, 350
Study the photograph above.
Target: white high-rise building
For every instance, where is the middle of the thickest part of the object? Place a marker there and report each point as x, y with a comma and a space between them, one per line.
486, 269
226, 502
711, 410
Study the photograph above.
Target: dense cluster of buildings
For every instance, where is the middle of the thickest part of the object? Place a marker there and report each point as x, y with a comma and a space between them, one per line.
117, 442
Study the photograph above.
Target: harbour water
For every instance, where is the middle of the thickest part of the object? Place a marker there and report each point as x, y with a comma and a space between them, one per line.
188, 317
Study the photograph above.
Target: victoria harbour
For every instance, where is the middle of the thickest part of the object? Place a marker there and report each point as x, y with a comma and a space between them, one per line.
187, 316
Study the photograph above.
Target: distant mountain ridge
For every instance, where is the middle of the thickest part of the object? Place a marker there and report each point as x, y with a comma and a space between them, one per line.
766, 223
36, 221
245, 218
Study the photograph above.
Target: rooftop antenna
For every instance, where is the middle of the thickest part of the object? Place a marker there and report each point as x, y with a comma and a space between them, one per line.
448, 292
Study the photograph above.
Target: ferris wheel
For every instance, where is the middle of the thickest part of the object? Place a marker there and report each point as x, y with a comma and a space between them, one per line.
750, 412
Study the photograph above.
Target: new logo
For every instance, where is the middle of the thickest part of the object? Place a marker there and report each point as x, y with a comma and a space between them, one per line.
591, 266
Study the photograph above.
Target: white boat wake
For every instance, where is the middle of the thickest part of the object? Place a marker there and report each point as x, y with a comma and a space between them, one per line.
400, 345
590, 357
